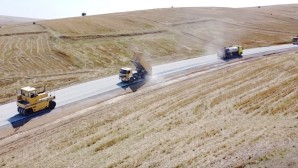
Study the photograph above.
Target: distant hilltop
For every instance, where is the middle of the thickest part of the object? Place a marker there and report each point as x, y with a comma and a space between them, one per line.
7, 20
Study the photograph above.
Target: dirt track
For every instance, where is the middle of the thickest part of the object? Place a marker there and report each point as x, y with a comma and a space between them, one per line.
241, 116
62, 52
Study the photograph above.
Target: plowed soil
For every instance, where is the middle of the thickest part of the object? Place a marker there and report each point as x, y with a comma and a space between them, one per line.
63, 52
245, 115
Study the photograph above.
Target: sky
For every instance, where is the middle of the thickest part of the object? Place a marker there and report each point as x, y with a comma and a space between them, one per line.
53, 9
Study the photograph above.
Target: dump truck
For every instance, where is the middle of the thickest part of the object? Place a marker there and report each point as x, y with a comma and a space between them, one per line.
295, 40
31, 100
230, 52
142, 69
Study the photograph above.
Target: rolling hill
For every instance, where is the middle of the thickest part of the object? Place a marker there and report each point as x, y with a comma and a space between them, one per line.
66, 51
11, 20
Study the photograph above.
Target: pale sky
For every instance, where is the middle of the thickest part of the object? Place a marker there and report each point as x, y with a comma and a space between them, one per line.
51, 9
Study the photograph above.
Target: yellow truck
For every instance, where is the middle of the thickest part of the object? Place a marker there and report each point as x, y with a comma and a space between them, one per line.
230, 52
142, 69
31, 100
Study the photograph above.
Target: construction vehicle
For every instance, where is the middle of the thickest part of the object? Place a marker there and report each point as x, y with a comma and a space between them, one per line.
230, 52
295, 40
31, 100
142, 69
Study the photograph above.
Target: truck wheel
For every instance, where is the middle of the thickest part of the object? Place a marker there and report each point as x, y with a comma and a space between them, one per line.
22, 111
52, 105
28, 112
131, 79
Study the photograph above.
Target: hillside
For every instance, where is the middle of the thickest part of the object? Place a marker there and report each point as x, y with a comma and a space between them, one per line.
67, 51
239, 116
11, 20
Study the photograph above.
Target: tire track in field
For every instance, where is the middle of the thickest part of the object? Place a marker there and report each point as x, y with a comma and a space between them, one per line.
3, 50
24, 59
40, 54
10, 54
59, 56
54, 62
36, 59
17, 45
31, 57
2, 42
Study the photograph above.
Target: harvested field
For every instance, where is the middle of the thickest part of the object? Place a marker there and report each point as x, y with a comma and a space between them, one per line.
240, 116
84, 48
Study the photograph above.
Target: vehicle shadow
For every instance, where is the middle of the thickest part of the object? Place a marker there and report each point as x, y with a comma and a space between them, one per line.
233, 58
19, 120
134, 86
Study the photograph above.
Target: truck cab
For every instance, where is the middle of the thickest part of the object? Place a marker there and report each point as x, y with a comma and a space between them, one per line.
125, 74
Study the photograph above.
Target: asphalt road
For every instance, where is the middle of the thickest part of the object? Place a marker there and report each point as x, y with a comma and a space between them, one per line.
9, 114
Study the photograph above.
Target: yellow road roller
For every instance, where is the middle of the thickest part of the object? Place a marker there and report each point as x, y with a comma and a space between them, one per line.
31, 100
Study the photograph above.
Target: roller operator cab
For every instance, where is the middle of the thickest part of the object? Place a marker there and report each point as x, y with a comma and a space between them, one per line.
31, 100
230, 52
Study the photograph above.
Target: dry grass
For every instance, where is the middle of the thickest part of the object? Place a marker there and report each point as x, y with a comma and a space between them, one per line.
71, 48
241, 116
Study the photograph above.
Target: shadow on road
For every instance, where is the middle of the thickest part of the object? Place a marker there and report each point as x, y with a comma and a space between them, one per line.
233, 58
134, 86
20, 120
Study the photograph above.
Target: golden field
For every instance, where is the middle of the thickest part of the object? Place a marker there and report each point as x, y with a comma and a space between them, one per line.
63, 52
243, 115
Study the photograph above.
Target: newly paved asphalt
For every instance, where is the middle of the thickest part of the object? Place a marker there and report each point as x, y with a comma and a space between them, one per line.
9, 114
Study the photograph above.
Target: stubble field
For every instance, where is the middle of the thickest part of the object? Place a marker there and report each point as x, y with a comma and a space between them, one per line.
239, 116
